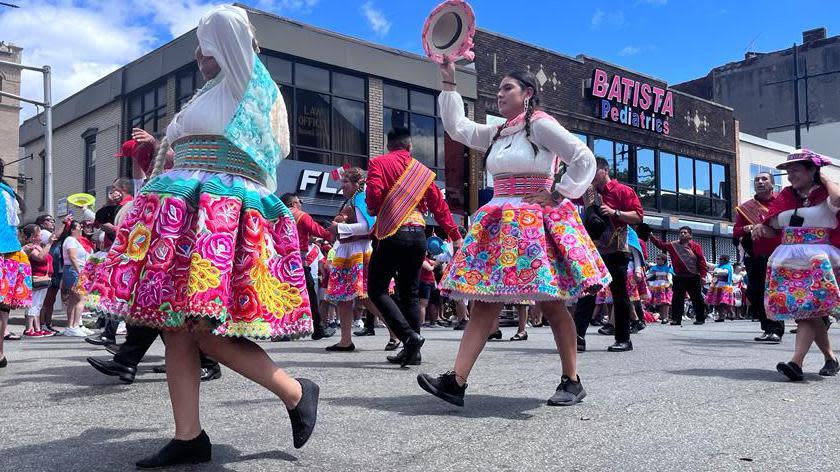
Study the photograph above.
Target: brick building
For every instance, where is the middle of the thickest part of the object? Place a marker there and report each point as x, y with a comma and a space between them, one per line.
10, 112
679, 154
342, 96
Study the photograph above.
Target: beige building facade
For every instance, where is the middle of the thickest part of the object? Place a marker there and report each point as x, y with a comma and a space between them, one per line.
9, 111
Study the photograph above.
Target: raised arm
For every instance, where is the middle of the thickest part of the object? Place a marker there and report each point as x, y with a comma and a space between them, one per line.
455, 121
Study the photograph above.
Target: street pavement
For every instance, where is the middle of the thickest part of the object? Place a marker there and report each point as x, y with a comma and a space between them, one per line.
688, 398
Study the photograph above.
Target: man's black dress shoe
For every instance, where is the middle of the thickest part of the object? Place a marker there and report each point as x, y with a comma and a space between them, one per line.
178, 452
762, 338
621, 347
212, 372
495, 335
365, 332
113, 349
4, 362
320, 333
702, 322
305, 414
412, 349
581, 344
99, 340
114, 369
398, 359
607, 330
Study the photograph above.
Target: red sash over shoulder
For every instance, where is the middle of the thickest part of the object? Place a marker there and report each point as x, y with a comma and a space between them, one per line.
753, 211
402, 199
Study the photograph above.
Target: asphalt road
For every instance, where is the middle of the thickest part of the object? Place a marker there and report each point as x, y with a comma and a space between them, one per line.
688, 398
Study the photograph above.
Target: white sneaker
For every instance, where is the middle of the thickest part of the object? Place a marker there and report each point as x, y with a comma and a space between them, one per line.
74, 332
87, 330
358, 324
121, 328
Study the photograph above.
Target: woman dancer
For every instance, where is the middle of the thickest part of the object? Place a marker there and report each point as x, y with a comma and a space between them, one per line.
15, 271
660, 287
349, 265
532, 248
208, 252
803, 272
721, 293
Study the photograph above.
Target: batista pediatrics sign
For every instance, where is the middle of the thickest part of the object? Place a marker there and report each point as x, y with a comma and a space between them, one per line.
632, 103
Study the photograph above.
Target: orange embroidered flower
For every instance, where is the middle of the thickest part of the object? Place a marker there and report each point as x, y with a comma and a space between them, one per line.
138, 242
528, 219
473, 277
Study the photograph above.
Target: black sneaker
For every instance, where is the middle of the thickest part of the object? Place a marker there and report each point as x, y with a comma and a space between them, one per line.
607, 330
178, 452
444, 387
830, 368
568, 393
790, 370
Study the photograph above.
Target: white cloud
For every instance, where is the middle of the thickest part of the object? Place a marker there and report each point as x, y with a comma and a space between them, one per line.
629, 51
376, 19
613, 19
83, 44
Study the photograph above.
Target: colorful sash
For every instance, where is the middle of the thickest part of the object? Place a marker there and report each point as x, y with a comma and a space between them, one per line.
687, 256
402, 199
753, 211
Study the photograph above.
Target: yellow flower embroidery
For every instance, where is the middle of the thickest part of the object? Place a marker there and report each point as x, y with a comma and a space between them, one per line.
507, 259
507, 216
138, 242
279, 298
203, 275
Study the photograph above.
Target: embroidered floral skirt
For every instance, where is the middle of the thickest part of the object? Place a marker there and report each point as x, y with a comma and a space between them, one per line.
636, 290
721, 294
91, 272
661, 293
15, 280
207, 246
802, 276
348, 271
516, 251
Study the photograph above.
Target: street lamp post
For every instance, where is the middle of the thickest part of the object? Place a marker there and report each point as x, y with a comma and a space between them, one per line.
48, 132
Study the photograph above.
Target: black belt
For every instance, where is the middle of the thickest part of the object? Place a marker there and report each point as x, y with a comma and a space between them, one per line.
412, 229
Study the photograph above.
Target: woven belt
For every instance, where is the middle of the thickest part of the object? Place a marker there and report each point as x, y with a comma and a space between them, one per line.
806, 236
217, 154
518, 185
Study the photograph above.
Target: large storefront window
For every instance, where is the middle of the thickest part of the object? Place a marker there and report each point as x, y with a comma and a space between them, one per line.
417, 111
665, 182
327, 112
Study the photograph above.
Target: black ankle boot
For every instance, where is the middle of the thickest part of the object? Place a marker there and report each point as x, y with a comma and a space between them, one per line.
305, 414
178, 452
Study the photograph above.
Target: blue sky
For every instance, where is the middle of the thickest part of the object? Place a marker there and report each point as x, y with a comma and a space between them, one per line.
675, 40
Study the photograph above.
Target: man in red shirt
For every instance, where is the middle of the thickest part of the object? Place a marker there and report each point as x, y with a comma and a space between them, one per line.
306, 228
619, 206
689, 271
757, 251
398, 191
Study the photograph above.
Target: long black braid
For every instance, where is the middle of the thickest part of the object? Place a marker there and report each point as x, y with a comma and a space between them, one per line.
525, 80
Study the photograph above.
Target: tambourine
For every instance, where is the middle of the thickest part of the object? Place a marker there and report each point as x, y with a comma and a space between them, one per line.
448, 32
81, 200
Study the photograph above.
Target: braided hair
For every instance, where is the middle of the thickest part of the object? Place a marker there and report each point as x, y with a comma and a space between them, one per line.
525, 80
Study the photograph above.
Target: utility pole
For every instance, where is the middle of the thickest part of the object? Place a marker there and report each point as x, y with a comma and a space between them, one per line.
48, 131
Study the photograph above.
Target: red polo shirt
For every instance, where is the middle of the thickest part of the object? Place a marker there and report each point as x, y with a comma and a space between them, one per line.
622, 198
383, 173
762, 246
306, 228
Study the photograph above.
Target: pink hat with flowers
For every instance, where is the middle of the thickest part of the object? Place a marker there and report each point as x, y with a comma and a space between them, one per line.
805, 155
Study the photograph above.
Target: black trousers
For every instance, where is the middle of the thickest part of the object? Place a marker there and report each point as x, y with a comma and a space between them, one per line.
756, 280
314, 304
400, 257
138, 340
694, 287
617, 265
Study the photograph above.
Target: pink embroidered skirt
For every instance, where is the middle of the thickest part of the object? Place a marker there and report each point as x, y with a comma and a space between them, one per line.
661, 293
15, 280
348, 271
802, 276
516, 251
721, 294
202, 248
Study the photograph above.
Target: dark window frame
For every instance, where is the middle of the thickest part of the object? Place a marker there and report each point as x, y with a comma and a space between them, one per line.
89, 138
439, 154
154, 114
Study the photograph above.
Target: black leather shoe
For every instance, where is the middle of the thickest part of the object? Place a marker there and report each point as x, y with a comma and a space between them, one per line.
305, 414
702, 322
830, 368
676, 323
495, 335
211, 373
762, 338
568, 393
392, 345
337, 348
398, 358
4, 362
178, 452
773, 338
444, 387
621, 347
581, 344
790, 370
114, 369
99, 340
607, 330
365, 332
412, 349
